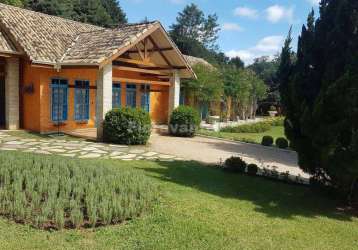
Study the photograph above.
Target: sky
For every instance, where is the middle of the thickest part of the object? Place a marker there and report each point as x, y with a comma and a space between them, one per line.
249, 28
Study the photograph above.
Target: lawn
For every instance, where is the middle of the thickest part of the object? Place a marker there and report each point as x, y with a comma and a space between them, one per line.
204, 208
34, 135
275, 132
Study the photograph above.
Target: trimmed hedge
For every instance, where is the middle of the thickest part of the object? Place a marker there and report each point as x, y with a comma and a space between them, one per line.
252, 169
56, 192
258, 127
127, 126
235, 164
267, 140
184, 122
282, 143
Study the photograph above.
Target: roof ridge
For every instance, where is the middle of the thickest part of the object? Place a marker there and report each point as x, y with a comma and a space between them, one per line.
136, 24
48, 15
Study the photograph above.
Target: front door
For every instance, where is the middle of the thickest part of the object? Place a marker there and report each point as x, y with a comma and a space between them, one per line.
2, 95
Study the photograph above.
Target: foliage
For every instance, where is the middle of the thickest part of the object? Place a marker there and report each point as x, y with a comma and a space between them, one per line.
276, 121
321, 98
127, 126
281, 143
235, 164
184, 122
54, 192
252, 169
106, 13
267, 140
208, 85
192, 26
257, 127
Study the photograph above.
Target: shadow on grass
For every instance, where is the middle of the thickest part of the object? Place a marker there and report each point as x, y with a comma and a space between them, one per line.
274, 199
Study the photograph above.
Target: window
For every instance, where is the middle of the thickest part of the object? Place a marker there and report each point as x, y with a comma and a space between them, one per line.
116, 95
59, 100
145, 97
131, 95
81, 100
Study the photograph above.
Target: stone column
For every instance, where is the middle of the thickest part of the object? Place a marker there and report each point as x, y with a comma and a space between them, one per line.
12, 77
174, 92
104, 97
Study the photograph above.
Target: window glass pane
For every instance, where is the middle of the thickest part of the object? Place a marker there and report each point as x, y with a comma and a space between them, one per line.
81, 100
59, 89
131, 95
145, 97
116, 95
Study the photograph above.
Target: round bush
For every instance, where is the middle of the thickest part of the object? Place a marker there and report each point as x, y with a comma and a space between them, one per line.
127, 126
252, 169
184, 122
267, 140
235, 164
55, 192
282, 143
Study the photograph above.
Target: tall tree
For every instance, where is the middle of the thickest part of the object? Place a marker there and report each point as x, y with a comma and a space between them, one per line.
194, 33
322, 98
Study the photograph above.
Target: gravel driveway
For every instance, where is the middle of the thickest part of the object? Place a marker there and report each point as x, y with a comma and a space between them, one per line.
214, 151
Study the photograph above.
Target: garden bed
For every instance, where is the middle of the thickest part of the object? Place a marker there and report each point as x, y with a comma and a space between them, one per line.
54, 192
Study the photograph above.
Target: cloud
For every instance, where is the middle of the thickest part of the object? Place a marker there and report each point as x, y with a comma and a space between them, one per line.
314, 2
246, 12
232, 27
268, 46
277, 13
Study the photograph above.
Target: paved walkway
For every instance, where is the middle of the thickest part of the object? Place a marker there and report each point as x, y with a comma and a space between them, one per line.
79, 148
215, 151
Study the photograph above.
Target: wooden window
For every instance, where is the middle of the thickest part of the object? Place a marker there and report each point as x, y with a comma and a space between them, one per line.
131, 95
81, 100
116, 95
59, 103
145, 98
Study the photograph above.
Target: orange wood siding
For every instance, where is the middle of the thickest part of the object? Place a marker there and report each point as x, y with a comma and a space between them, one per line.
37, 105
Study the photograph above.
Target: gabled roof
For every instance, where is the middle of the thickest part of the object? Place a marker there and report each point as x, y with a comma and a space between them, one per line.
53, 40
6, 46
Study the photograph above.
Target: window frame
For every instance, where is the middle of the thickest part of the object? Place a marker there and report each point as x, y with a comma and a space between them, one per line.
85, 117
132, 90
114, 84
145, 92
65, 114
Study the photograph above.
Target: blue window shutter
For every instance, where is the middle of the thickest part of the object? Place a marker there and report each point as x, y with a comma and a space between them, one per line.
131, 95
59, 100
81, 100
116, 95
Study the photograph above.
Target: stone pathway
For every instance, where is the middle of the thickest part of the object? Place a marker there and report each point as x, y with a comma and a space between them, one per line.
80, 149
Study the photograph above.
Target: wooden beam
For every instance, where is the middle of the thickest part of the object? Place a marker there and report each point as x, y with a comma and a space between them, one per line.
151, 50
138, 62
148, 71
141, 81
140, 52
160, 52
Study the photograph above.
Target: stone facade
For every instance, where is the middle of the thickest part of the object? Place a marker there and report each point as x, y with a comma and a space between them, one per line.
12, 93
174, 92
104, 97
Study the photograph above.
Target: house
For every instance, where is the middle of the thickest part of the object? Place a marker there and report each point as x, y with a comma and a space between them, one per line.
61, 75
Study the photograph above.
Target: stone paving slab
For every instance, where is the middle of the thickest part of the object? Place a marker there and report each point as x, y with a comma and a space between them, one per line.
80, 149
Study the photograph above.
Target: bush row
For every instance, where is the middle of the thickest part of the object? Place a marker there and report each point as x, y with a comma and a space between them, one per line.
55, 192
258, 127
281, 142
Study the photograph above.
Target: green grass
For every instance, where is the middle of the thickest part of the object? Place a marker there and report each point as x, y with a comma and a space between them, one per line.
204, 208
275, 132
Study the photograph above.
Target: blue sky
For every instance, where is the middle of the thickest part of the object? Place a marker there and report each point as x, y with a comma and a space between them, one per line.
249, 28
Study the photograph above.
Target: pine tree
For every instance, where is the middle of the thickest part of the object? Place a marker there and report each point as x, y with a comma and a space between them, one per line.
321, 99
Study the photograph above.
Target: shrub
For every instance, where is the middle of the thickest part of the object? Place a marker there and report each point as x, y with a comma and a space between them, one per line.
55, 192
235, 164
258, 127
252, 169
184, 122
267, 140
282, 143
276, 121
127, 126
